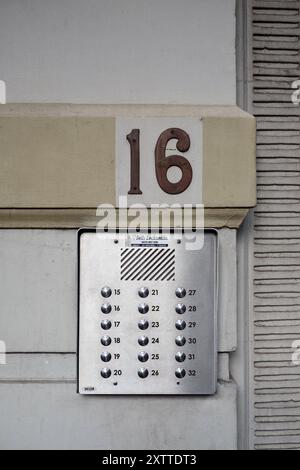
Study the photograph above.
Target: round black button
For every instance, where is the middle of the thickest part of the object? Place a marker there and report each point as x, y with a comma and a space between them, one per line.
106, 356
105, 340
143, 324
143, 373
180, 324
106, 291
143, 308
143, 292
143, 340
105, 308
180, 292
143, 356
180, 308
106, 324
180, 357
106, 373
180, 340
180, 373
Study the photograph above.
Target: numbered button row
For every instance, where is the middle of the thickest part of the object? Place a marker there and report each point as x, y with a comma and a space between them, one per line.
143, 325
143, 373
142, 340
143, 292
142, 356
142, 308
179, 292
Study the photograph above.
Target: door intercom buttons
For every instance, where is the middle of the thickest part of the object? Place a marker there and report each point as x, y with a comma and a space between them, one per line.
106, 324
180, 373
106, 340
106, 356
143, 373
143, 292
143, 356
143, 324
180, 292
180, 324
147, 314
106, 292
143, 308
106, 373
180, 340
180, 308
105, 308
180, 357
143, 340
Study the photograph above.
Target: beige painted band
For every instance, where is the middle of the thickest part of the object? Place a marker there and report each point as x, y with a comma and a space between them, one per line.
62, 157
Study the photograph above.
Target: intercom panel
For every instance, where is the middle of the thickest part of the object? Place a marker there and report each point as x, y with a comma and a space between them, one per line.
147, 314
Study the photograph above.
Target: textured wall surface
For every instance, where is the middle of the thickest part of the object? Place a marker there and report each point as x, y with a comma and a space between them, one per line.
275, 396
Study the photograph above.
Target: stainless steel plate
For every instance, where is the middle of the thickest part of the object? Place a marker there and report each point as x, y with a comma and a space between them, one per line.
115, 276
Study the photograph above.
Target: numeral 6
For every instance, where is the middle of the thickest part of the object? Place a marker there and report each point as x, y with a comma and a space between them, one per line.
163, 163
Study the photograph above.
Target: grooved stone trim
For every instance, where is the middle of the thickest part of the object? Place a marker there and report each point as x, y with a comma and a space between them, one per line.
275, 384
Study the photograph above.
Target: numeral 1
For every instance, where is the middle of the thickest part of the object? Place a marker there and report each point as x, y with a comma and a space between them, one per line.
134, 141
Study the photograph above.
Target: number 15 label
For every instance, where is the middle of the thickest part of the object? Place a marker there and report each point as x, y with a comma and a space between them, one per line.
159, 160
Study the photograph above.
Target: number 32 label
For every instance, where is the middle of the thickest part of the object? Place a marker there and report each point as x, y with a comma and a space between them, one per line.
159, 160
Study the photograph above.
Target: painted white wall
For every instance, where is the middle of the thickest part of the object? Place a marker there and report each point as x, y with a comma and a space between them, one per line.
118, 51
39, 406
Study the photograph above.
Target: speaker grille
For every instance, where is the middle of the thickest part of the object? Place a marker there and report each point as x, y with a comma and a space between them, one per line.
147, 264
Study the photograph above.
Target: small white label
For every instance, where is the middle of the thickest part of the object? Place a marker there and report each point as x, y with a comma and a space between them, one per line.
149, 240
296, 94
2, 92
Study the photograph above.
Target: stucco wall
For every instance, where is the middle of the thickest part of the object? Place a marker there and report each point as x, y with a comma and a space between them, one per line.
118, 51
39, 406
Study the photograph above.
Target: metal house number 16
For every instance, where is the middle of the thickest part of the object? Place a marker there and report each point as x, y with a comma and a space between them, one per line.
162, 162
